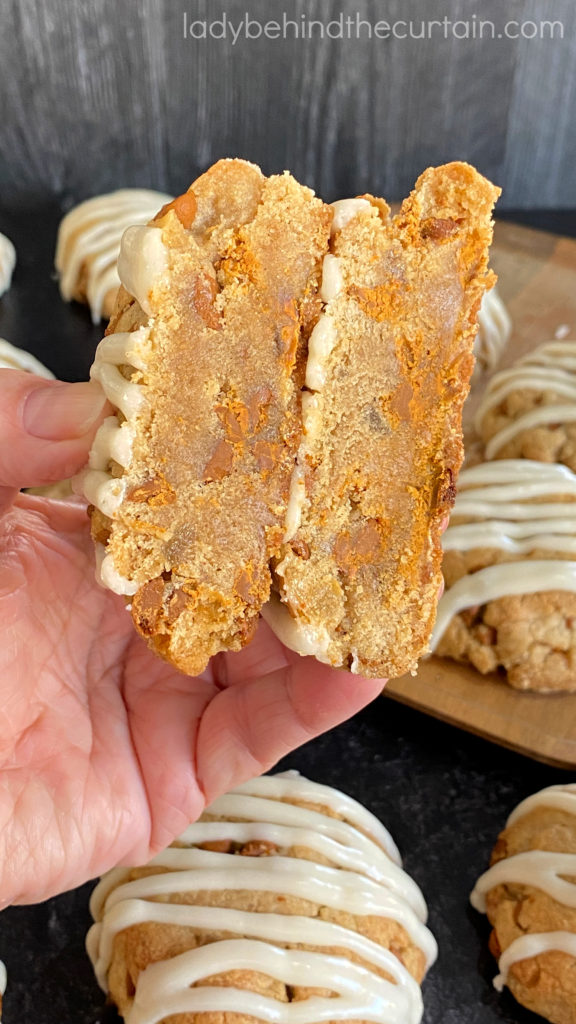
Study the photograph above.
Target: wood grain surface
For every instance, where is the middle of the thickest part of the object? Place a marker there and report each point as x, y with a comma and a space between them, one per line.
537, 279
109, 94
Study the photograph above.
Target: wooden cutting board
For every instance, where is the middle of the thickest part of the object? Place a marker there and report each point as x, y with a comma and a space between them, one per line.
537, 280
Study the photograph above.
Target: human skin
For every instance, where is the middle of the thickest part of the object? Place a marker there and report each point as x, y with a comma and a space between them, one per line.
106, 752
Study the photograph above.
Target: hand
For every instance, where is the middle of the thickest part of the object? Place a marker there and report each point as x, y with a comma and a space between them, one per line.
106, 752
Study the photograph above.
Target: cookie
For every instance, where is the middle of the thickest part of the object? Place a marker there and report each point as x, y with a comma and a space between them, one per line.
88, 244
388, 371
7, 263
289, 378
529, 895
494, 330
529, 411
510, 572
284, 891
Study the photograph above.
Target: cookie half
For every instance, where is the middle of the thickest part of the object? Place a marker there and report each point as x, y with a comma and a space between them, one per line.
388, 370
190, 479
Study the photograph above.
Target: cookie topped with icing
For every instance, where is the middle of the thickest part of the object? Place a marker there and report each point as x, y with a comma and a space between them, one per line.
529, 894
285, 902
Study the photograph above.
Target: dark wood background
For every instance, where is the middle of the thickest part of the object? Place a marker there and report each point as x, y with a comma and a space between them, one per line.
97, 94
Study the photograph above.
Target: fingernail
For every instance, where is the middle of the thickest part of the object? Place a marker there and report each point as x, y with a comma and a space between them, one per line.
61, 412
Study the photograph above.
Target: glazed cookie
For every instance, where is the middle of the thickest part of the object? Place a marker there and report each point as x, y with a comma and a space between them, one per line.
529, 894
529, 411
284, 893
289, 378
494, 329
89, 242
7, 263
510, 573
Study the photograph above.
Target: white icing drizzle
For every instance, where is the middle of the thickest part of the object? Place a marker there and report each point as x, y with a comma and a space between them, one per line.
332, 283
366, 880
108, 576
540, 869
542, 417
360, 994
296, 498
12, 358
114, 440
290, 784
7, 263
502, 493
320, 345
560, 798
309, 641
142, 263
535, 576
494, 329
550, 368
527, 946
89, 238
104, 491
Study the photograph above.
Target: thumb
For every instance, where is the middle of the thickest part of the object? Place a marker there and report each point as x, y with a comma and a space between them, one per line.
46, 428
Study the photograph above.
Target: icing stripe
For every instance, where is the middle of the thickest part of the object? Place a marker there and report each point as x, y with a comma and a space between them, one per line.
544, 416
505, 580
528, 946
360, 994
560, 798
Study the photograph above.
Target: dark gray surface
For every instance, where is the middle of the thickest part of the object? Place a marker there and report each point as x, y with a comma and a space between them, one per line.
443, 794
105, 93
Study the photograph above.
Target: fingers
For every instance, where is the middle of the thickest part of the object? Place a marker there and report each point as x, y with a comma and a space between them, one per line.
46, 429
248, 727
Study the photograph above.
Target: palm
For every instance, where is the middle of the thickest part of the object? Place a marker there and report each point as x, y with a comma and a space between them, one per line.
106, 752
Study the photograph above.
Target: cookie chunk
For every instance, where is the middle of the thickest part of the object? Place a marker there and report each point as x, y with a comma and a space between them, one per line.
388, 370
529, 895
284, 891
88, 245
